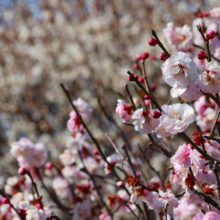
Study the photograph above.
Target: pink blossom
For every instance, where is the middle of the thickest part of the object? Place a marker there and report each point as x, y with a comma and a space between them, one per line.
123, 110
67, 158
209, 80
179, 71
180, 38
61, 187
35, 214
177, 117
144, 122
104, 216
215, 13
82, 210
114, 160
207, 216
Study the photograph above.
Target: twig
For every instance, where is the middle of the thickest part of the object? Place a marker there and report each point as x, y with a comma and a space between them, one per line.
88, 131
130, 97
203, 145
148, 162
112, 120
205, 41
187, 139
216, 172
205, 197
215, 99
129, 161
126, 204
54, 216
211, 138
127, 123
4, 195
214, 125
114, 146
160, 44
95, 185
139, 84
180, 194
146, 81
35, 188
52, 195
164, 150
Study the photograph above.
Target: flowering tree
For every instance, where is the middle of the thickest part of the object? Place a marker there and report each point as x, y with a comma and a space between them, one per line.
173, 173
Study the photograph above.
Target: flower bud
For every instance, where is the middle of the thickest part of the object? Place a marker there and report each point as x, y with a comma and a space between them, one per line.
163, 56
22, 171
138, 56
38, 206
199, 15
145, 55
49, 165
155, 114
152, 42
147, 97
120, 184
135, 66
153, 86
5, 200
131, 79
140, 79
96, 152
201, 55
205, 14
210, 34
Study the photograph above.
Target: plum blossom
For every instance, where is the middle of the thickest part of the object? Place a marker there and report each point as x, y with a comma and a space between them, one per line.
180, 38
84, 110
215, 13
207, 216
67, 158
186, 93
29, 155
209, 81
161, 132
61, 187
33, 213
144, 122
104, 216
179, 71
82, 210
113, 160
123, 110
177, 117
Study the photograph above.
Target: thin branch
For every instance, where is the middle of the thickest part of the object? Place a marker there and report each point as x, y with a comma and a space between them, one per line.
146, 92
160, 44
216, 172
130, 97
211, 138
205, 41
146, 81
126, 204
203, 145
215, 99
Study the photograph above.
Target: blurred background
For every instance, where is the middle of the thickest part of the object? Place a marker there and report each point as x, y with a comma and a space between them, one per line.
85, 44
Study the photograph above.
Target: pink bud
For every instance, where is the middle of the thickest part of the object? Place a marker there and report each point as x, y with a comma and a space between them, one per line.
205, 14
5, 200
146, 102
131, 79
210, 34
140, 79
147, 97
152, 57
38, 206
120, 184
96, 152
163, 56
152, 42
138, 56
145, 55
135, 66
49, 165
199, 15
155, 114
201, 55
22, 171
153, 86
